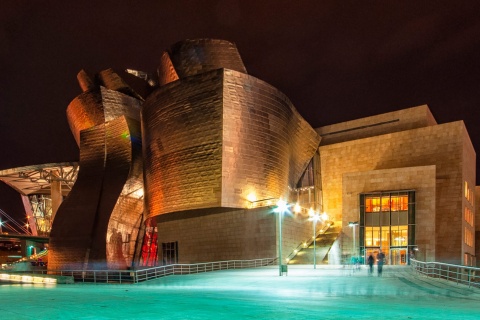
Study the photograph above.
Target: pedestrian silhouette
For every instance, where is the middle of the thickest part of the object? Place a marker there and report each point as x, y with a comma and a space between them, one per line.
380, 262
370, 264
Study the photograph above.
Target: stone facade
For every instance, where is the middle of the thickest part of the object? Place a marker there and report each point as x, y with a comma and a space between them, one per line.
477, 223
420, 179
444, 147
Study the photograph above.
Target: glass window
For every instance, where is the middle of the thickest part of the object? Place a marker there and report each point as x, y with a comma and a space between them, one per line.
388, 222
372, 204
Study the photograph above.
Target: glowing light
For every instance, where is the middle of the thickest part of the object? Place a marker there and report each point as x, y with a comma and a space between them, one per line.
325, 216
138, 193
297, 208
252, 197
26, 279
281, 206
314, 216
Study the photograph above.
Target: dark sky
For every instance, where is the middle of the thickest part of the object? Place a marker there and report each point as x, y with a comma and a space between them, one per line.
336, 60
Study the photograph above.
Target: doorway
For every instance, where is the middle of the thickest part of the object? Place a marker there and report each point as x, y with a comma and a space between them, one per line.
398, 256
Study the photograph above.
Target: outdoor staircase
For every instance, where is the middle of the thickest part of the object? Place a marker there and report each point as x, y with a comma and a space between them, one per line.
323, 243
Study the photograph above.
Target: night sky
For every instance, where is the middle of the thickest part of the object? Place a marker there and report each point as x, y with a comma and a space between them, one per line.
336, 60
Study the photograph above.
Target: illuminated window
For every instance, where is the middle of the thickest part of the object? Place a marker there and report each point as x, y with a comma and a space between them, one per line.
468, 237
372, 204
469, 216
387, 221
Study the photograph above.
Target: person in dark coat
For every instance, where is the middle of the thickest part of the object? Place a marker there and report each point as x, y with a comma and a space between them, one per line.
370, 263
380, 262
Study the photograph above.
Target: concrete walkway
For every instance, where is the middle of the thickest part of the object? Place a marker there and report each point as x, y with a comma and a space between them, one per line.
324, 293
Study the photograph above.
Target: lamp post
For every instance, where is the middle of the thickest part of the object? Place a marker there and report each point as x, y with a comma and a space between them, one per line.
314, 216
354, 225
281, 208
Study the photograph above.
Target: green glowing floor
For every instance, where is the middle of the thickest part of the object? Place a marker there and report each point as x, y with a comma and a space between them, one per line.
250, 294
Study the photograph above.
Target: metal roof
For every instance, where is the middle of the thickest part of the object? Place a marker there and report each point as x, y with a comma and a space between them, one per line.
36, 179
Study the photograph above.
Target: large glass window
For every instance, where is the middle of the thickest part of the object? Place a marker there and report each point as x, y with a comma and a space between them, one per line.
387, 222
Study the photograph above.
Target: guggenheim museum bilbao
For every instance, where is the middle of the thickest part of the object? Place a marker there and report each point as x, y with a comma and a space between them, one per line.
190, 166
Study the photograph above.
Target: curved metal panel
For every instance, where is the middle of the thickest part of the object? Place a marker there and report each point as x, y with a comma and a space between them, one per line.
117, 104
266, 143
213, 139
111, 80
191, 57
166, 70
182, 142
85, 111
85, 81
70, 237
95, 224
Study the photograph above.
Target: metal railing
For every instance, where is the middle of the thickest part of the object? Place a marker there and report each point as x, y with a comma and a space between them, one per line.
460, 274
309, 241
139, 275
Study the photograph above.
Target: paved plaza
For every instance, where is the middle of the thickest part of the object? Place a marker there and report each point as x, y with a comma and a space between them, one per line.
324, 293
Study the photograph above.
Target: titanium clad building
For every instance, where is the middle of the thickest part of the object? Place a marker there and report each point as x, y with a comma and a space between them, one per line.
187, 166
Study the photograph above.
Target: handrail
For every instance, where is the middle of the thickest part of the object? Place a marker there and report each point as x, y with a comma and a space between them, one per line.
460, 274
144, 274
309, 241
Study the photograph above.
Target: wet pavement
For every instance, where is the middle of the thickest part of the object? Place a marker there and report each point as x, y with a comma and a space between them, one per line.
305, 293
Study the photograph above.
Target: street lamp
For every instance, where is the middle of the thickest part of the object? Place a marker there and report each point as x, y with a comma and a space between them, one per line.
353, 225
314, 216
281, 208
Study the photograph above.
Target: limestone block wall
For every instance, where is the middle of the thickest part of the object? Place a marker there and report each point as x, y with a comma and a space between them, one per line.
439, 145
469, 178
477, 224
421, 179
296, 229
232, 235
401, 120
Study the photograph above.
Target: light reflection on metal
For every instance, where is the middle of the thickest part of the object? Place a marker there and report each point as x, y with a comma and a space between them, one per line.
97, 225
215, 134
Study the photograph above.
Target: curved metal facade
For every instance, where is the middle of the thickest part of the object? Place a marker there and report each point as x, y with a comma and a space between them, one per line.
97, 224
191, 57
212, 137
217, 137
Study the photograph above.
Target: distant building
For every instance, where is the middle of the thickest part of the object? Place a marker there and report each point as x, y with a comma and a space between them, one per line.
188, 167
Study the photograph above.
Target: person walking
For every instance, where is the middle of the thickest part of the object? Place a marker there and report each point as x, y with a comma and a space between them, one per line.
380, 262
370, 264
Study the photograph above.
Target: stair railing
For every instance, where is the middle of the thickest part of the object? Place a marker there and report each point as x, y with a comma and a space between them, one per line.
309, 241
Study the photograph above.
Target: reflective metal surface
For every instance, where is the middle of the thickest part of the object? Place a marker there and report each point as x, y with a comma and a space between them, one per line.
214, 138
219, 137
96, 226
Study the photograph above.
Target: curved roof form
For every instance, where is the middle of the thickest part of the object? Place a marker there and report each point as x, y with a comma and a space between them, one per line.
36, 179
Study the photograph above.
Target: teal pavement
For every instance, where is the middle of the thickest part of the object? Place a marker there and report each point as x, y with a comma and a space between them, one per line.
324, 293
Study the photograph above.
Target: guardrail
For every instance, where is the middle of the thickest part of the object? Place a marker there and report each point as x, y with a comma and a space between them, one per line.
139, 275
460, 274
309, 241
